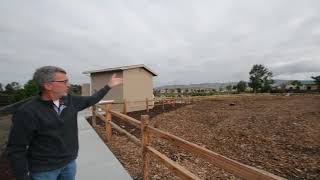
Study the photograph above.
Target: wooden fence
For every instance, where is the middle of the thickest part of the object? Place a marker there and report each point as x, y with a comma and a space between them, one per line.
154, 102
148, 132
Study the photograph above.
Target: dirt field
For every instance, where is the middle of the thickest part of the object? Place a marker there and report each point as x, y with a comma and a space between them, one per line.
274, 133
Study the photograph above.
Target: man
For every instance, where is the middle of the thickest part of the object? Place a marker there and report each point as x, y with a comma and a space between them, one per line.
43, 140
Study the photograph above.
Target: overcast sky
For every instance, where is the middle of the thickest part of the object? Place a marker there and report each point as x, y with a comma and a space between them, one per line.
183, 41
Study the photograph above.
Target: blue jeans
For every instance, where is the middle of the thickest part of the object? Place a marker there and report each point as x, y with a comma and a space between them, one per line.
68, 172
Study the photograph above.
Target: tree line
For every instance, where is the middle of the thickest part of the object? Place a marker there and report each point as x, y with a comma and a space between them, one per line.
16, 92
260, 80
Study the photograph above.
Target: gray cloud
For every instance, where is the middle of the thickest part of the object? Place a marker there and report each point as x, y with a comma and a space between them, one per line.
304, 66
183, 41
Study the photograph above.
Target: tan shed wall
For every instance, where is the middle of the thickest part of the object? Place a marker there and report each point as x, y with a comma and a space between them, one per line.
137, 85
99, 80
85, 89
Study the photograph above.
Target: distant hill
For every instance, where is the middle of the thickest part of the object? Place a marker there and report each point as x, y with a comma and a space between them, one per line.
196, 86
216, 86
279, 82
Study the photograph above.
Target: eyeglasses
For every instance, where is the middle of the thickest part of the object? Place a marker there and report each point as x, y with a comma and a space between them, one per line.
62, 81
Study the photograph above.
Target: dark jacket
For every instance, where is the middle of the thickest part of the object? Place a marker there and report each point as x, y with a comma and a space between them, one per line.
42, 140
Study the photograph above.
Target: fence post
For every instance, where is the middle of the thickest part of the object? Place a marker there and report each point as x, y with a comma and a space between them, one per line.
147, 105
174, 101
124, 106
162, 104
94, 116
145, 143
108, 120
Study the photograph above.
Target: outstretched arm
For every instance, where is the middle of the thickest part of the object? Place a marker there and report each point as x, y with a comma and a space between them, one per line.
82, 102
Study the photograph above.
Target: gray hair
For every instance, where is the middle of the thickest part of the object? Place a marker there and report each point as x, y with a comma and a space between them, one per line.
46, 74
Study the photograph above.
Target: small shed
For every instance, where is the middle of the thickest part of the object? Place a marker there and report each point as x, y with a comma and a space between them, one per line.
137, 86
85, 89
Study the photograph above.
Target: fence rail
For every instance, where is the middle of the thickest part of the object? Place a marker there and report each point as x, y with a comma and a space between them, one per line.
152, 103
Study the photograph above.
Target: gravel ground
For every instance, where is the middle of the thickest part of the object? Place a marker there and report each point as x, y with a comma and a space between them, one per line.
274, 133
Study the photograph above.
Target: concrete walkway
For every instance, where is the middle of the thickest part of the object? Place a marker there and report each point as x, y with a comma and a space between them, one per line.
95, 160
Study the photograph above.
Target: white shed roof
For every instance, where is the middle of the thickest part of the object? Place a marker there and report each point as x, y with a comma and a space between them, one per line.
121, 68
